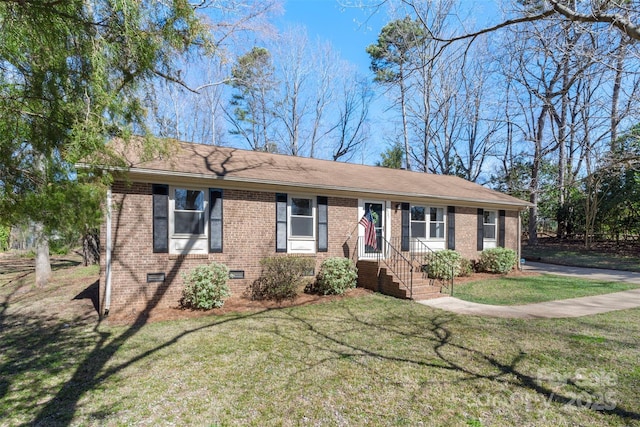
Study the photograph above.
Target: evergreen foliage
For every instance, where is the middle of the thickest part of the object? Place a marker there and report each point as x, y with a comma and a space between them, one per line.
444, 264
206, 287
71, 77
336, 276
281, 277
497, 260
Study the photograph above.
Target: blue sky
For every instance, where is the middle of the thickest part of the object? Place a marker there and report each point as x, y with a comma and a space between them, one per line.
345, 28
350, 29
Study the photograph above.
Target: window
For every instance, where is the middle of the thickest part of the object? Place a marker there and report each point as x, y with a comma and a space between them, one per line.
188, 214
301, 217
433, 222
489, 225
187, 220
436, 223
418, 222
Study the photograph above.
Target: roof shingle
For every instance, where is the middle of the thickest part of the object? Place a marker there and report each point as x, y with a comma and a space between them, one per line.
233, 164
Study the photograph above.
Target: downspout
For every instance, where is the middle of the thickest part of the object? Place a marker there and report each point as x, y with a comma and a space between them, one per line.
519, 240
108, 250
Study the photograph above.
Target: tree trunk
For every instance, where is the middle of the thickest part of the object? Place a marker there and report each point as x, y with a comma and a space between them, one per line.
91, 248
405, 130
615, 96
43, 262
535, 176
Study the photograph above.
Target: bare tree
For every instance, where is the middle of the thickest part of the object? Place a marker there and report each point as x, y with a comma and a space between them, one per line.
329, 69
195, 109
480, 122
532, 71
427, 70
294, 74
623, 16
351, 130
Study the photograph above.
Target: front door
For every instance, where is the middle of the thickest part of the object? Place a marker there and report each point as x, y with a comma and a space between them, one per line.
377, 213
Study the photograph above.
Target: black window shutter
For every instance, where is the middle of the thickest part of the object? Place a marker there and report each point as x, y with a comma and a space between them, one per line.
281, 222
405, 242
215, 220
323, 224
501, 228
480, 229
160, 194
451, 227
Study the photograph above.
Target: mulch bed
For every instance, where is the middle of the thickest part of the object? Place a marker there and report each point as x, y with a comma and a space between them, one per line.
243, 304
235, 304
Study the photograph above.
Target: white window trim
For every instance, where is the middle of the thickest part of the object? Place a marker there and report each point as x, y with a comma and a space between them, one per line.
495, 227
302, 244
444, 224
313, 217
427, 217
196, 243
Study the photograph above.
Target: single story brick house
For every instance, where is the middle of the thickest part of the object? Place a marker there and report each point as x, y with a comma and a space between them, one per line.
203, 203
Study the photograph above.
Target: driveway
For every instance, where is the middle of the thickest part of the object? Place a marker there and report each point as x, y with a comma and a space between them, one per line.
573, 307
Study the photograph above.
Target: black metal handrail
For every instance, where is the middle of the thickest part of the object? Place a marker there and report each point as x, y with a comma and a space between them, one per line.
420, 253
400, 266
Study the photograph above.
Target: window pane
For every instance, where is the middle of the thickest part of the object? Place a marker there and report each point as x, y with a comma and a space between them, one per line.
437, 214
301, 207
188, 222
489, 217
490, 231
436, 230
301, 226
417, 213
189, 200
418, 229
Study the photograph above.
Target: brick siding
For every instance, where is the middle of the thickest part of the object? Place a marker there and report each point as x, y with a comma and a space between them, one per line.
249, 235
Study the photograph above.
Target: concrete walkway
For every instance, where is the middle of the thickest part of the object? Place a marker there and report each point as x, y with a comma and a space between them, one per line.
574, 307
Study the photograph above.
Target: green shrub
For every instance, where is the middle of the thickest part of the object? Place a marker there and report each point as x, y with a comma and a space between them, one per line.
442, 264
205, 286
5, 234
57, 247
336, 276
497, 260
466, 267
281, 276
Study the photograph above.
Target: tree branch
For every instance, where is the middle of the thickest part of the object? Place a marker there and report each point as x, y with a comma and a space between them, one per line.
617, 20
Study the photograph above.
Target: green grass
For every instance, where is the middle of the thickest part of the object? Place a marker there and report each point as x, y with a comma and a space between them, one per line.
577, 256
372, 360
531, 289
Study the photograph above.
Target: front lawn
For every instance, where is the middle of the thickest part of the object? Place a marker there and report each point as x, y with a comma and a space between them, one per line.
531, 289
622, 255
370, 360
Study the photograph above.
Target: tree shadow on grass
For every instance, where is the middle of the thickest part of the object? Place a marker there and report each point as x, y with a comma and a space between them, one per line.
44, 346
92, 292
443, 351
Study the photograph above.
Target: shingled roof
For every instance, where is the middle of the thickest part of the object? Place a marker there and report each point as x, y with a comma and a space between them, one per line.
189, 160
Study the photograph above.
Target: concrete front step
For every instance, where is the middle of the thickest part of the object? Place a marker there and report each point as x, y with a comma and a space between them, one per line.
431, 295
426, 292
